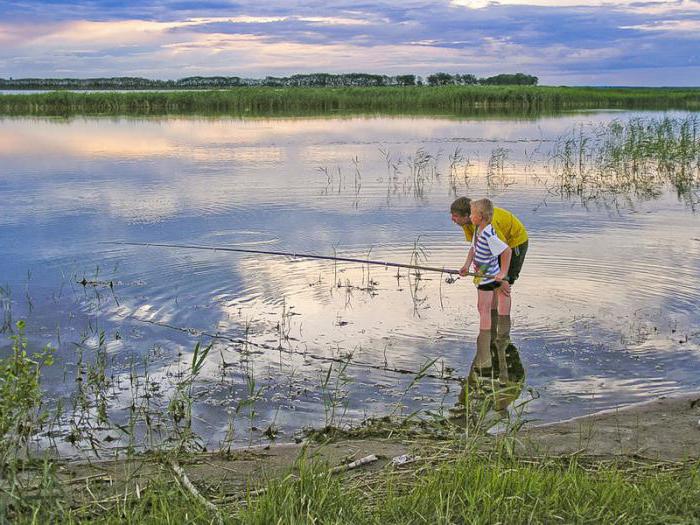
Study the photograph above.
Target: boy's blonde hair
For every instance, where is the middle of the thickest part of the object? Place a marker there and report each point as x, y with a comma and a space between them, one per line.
483, 207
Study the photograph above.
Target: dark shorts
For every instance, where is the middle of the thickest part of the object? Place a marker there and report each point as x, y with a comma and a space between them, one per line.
489, 286
516, 262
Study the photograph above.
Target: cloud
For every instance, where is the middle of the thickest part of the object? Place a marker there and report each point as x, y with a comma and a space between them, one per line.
472, 4
334, 21
675, 26
174, 39
636, 4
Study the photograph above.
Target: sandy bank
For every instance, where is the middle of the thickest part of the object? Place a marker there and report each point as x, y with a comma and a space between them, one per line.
666, 428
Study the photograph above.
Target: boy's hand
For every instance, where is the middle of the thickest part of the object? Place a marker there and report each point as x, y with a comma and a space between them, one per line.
464, 270
505, 287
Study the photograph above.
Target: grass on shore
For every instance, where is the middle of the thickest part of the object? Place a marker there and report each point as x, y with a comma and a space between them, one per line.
461, 486
456, 100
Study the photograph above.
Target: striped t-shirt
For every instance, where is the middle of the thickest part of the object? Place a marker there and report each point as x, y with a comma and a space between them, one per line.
508, 228
487, 248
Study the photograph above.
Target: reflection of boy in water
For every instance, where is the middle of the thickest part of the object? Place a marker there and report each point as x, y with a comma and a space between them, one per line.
491, 258
496, 388
511, 231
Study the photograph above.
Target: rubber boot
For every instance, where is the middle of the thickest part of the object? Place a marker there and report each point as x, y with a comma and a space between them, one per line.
502, 342
483, 350
494, 324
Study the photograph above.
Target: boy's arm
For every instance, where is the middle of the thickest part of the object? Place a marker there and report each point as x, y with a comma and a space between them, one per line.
504, 260
470, 257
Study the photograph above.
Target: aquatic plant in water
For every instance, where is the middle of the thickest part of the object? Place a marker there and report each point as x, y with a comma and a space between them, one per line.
632, 158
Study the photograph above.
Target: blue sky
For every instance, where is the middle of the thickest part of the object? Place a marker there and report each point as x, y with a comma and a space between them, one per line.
572, 42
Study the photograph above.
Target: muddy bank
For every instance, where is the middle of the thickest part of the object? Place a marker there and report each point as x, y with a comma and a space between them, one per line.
224, 477
666, 428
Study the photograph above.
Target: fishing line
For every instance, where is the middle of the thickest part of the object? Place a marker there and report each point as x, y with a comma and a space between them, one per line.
294, 255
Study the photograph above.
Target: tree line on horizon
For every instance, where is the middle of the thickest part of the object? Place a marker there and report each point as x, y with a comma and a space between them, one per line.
300, 80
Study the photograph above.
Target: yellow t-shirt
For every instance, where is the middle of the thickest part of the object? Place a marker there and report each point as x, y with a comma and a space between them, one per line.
508, 228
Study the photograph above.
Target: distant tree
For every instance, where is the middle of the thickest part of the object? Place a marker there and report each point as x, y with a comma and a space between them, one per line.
406, 80
518, 79
321, 80
365, 79
440, 79
207, 82
275, 81
466, 80
300, 80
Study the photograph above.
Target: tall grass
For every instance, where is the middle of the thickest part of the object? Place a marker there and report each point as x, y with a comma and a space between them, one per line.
497, 489
634, 157
455, 100
309, 494
22, 416
456, 487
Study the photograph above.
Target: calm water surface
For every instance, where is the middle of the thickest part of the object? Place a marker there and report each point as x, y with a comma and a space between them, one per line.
606, 311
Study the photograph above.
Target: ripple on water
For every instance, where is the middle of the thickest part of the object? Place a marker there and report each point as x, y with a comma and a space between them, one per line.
598, 315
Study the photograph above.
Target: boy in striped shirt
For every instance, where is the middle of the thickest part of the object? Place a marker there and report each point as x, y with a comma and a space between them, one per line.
491, 258
511, 231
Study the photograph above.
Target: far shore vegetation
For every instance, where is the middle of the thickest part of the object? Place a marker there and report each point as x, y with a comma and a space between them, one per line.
301, 80
445, 100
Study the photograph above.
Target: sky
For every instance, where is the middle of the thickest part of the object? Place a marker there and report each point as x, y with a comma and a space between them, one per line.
569, 42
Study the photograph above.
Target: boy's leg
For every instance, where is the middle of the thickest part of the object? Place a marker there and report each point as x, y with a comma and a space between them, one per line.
502, 301
494, 324
483, 341
503, 322
497, 351
483, 305
494, 315
516, 264
503, 335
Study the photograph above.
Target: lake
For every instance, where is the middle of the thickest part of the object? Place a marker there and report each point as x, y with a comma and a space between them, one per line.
605, 312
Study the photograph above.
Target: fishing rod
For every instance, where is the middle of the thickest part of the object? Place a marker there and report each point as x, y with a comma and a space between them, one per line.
294, 255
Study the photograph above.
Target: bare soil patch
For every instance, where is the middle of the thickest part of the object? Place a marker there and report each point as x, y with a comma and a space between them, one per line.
666, 428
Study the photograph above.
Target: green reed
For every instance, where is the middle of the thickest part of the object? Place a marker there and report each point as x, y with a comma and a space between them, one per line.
456, 100
23, 415
630, 158
180, 405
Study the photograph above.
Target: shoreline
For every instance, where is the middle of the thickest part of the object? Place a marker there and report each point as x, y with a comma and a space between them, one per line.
221, 481
673, 421
664, 428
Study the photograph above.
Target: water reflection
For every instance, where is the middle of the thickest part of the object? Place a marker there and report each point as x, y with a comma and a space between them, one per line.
494, 382
589, 341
